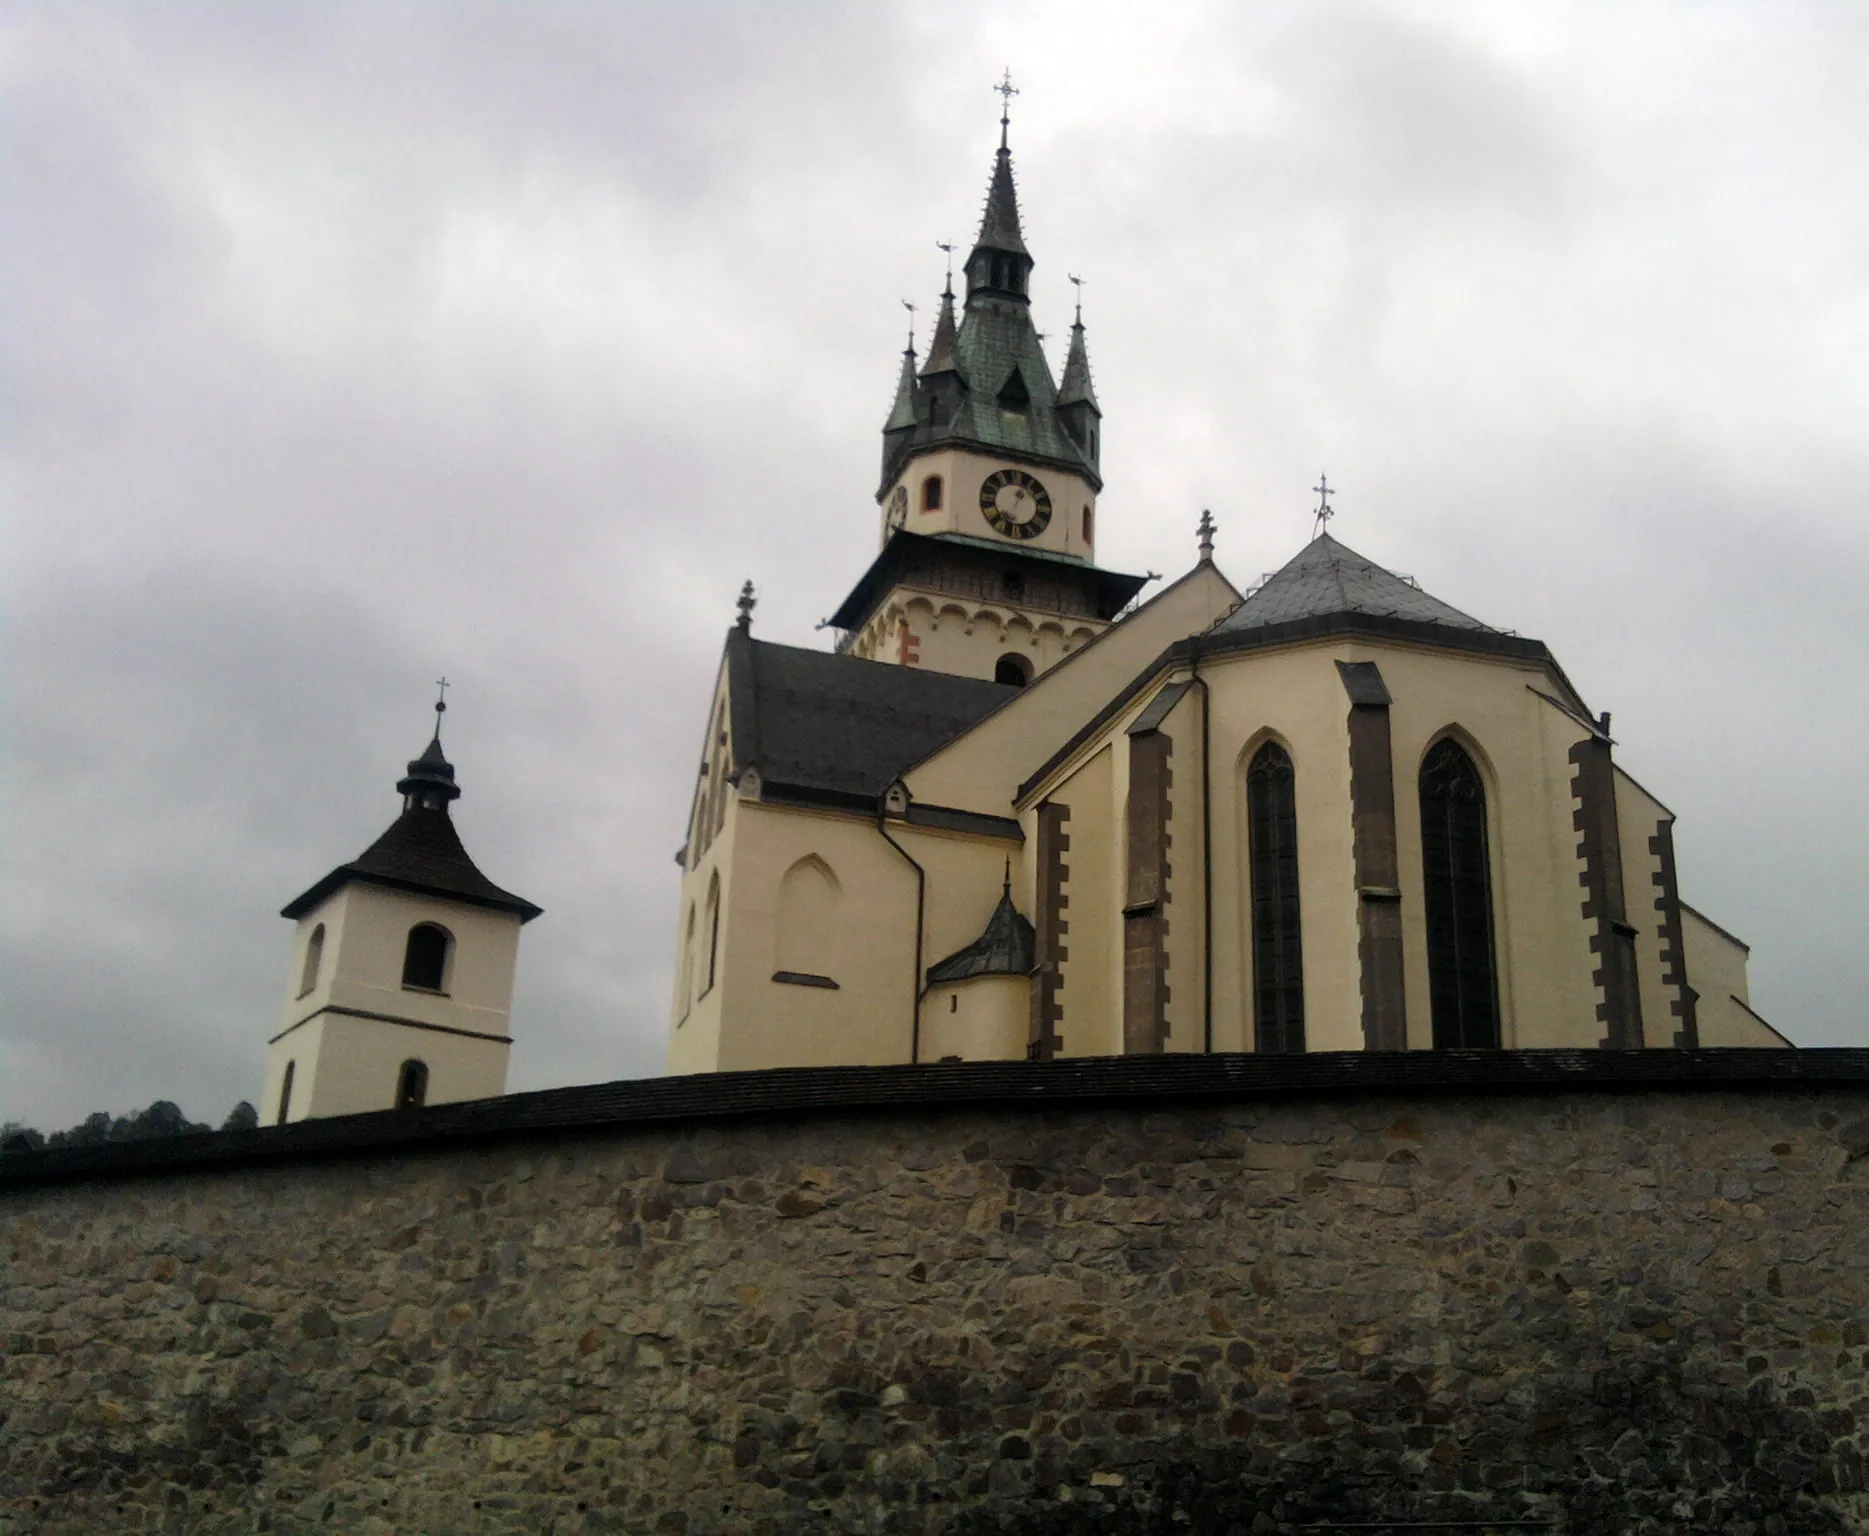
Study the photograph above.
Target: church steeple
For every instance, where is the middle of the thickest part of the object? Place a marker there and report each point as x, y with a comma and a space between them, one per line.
1000, 266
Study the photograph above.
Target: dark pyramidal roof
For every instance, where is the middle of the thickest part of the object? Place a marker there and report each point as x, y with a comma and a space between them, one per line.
837, 728
1325, 579
1007, 947
421, 852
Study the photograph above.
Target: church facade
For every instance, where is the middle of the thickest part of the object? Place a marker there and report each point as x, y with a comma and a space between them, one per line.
1017, 813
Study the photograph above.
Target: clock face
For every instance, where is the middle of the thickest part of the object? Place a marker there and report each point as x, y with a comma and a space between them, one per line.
898, 508
1015, 504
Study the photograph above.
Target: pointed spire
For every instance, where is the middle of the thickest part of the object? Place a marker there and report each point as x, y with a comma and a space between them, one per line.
902, 413
941, 349
1075, 387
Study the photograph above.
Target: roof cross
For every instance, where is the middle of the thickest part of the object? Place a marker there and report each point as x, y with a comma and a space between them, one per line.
1325, 512
1007, 90
747, 600
1206, 533
441, 703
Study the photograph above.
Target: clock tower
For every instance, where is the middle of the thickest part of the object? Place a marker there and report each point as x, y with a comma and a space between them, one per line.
990, 476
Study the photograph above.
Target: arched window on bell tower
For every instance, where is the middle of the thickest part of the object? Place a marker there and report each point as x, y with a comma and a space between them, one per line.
1277, 948
412, 1085
1463, 986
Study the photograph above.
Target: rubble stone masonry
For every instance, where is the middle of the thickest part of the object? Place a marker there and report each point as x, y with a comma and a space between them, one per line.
1610, 1309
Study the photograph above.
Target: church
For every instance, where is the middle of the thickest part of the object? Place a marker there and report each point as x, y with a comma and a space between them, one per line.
1019, 813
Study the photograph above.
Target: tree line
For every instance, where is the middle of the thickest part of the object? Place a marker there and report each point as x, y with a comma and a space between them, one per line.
162, 1119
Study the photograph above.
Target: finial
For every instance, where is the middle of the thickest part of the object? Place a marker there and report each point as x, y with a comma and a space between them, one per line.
910, 349
441, 704
1077, 283
1206, 533
1325, 512
1007, 90
747, 600
1006, 888
947, 248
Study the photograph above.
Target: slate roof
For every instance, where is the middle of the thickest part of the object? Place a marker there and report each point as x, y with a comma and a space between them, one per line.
838, 729
1007, 947
421, 852
1327, 578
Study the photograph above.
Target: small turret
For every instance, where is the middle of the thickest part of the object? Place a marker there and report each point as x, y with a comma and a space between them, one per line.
1077, 399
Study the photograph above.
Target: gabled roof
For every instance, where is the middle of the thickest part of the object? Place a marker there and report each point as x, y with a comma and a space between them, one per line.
1327, 578
421, 853
1007, 947
832, 729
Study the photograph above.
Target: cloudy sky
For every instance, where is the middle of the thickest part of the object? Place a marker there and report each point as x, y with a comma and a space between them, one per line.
350, 344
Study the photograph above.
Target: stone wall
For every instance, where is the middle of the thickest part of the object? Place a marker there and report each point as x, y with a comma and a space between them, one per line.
1616, 1311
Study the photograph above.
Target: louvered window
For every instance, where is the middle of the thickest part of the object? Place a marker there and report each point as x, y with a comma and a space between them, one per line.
1463, 988
1277, 957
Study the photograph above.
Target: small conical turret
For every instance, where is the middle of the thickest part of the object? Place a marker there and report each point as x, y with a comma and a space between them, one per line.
941, 349
429, 784
1077, 398
902, 414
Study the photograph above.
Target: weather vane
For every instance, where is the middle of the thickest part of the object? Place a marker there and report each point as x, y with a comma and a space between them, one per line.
1078, 283
947, 248
911, 309
1325, 512
1007, 90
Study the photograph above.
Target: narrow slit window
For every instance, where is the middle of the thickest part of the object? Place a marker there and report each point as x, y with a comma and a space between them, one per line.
1463, 987
285, 1091
1277, 946
425, 960
931, 494
412, 1085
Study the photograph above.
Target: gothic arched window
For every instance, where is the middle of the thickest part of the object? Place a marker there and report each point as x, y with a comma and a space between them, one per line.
1463, 989
314, 957
285, 1091
713, 931
1277, 949
425, 960
412, 1085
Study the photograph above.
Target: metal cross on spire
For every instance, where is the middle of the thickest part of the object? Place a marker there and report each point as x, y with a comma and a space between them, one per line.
441, 703
1325, 512
1078, 283
1206, 534
747, 600
1007, 90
